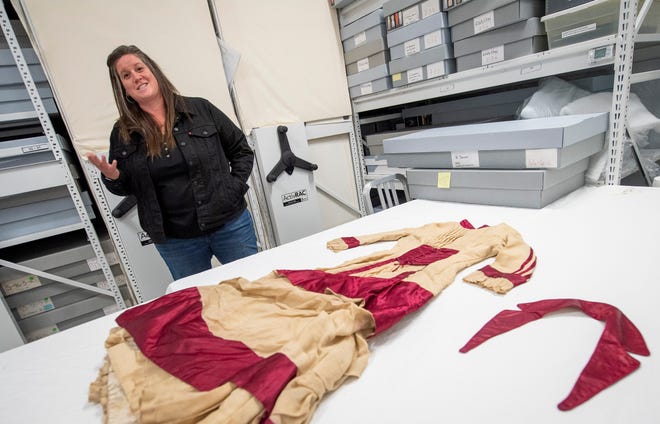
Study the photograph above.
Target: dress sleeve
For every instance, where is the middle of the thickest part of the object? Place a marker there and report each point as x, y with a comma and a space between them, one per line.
514, 264
344, 243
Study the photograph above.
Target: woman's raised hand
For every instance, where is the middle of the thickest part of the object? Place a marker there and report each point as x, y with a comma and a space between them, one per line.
109, 170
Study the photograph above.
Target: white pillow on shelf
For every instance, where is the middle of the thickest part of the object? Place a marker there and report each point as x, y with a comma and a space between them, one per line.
553, 94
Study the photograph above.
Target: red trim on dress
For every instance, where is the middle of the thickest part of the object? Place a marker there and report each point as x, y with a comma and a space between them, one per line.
171, 332
351, 242
388, 299
467, 224
517, 277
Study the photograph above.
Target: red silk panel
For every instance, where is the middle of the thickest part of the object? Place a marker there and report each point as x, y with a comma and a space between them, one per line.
388, 299
171, 332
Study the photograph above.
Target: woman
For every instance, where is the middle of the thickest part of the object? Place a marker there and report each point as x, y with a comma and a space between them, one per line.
185, 162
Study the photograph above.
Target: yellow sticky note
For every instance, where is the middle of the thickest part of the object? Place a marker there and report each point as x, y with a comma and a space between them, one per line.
396, 77
444, 179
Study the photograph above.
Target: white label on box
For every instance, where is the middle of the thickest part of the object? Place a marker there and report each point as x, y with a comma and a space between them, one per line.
436, 69
410, 15
496, 54
484, 22
415, 75
541, 158
366, 88
41, 333
430, 7
432, 39
20, 284
465, 159
35, 148
363, 64
110, 257
35, 308
578, 30
360, 38
411, 47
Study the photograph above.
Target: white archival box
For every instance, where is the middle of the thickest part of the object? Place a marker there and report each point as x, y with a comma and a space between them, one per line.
292, 198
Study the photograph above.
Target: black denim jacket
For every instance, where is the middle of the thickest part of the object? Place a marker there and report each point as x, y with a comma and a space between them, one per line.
219, 164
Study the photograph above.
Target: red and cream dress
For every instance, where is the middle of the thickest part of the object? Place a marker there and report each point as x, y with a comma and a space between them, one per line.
270, 349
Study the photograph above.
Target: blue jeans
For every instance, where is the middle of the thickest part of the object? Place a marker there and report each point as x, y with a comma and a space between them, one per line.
232, 241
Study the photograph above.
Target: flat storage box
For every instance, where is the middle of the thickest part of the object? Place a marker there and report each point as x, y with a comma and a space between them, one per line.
400, 13
427, 25
507, 14
365, 50
468, 10
375, 141
423, 73
539, 133
554, 158
518, 188
370, 87
440, 53
377, 166
552, 6
358, 9
380, 71
502, 53
505, 43
374, 33
338, 4
424, 42
371, 20
594, 19
380, 58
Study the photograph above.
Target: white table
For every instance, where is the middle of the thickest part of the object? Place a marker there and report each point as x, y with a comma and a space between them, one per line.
599, 244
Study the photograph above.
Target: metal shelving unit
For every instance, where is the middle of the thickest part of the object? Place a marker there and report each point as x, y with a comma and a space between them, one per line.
609, 51
47, 176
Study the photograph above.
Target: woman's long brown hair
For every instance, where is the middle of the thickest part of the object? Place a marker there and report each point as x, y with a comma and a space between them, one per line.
131, 117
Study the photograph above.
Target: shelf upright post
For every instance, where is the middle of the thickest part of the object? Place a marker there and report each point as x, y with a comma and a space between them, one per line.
623, 61
55, 147
357, 153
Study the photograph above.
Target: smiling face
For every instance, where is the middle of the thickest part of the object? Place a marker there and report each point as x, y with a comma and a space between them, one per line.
137, 79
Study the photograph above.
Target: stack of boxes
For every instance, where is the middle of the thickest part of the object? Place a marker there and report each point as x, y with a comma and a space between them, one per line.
419, 41
521, 163
365, 53
487, 32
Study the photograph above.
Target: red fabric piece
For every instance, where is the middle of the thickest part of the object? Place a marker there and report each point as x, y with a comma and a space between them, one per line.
171, 332
351, 242
388, 299
519, 276
425, 255
467, 224
610, 361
